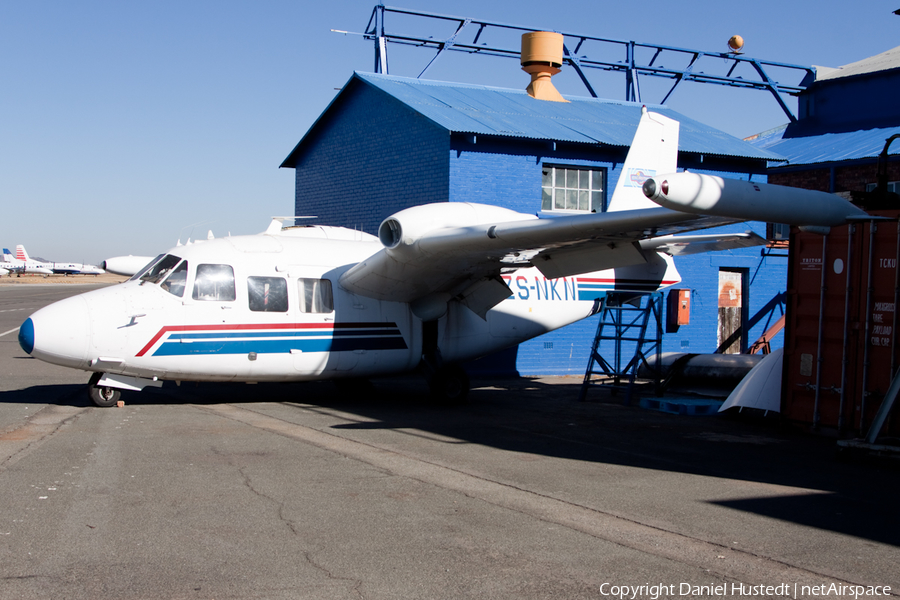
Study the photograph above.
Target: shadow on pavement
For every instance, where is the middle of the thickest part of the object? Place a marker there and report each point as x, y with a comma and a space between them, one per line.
543, 417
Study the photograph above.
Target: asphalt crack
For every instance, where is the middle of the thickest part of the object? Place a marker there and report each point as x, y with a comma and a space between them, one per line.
38, 429
712, 557
291, 526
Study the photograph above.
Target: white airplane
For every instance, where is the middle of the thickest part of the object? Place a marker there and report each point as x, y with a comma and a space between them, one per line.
75, 269
6, 267
57, 268
20, 263
440, 284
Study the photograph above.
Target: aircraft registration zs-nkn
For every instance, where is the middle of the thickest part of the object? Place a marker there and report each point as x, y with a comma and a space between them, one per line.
440, 284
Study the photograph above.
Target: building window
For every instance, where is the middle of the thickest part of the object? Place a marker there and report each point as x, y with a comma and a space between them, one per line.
574, 189
778, 232
892, 186
267, 294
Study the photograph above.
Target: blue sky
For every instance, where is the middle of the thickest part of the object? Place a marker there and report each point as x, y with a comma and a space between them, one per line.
127, 126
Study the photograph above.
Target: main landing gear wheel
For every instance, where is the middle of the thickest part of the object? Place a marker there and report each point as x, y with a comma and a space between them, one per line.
449, 385
102, 396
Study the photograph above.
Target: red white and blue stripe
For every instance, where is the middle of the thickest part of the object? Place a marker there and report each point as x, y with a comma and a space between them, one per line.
273, 338
593, 288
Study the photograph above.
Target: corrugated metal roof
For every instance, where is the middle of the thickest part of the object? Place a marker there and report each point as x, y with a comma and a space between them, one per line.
873, 64
828, 147
485, 110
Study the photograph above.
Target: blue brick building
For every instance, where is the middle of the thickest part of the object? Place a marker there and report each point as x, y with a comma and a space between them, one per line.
386, 143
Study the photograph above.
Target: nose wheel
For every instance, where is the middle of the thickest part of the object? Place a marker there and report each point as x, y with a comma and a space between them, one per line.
102, 396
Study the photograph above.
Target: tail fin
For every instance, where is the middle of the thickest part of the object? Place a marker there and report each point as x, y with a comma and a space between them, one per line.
7, 255
653, 150
20, 253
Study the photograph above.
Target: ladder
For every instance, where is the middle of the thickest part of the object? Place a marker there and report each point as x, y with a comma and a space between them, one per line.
633, 325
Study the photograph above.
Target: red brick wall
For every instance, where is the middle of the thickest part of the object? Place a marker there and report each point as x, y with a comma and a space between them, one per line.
846, 179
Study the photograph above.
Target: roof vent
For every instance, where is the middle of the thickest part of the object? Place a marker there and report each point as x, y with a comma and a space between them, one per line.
542, 53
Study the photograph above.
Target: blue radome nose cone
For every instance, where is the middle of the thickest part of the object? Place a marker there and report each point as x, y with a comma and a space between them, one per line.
26, 336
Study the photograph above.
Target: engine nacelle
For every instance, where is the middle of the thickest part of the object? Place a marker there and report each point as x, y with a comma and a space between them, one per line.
410, 225
412, 237
125, 265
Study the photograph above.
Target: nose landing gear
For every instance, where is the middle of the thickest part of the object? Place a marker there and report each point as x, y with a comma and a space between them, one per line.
102, 396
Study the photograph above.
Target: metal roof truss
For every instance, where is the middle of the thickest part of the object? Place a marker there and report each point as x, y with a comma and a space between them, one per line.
627, 57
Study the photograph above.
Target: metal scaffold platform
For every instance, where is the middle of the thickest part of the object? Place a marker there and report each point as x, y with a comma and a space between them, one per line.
632, 327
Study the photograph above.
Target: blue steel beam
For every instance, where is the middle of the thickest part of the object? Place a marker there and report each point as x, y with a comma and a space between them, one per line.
572, 59
624, 56
446, 45
375, 31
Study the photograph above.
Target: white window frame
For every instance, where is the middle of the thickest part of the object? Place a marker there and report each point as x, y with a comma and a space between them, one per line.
559, 193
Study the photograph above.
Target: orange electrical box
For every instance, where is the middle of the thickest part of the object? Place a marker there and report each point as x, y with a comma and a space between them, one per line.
678, 309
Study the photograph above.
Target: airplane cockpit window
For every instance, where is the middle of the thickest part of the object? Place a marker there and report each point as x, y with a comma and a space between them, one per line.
315, 296
214, 282
174, 283
267, 294
158, 272
146, 268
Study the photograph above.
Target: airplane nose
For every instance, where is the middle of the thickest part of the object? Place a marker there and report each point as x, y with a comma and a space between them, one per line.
58, 333
26, 336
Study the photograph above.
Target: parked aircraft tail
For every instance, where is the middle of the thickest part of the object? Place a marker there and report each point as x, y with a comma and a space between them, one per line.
654, 150
20, 253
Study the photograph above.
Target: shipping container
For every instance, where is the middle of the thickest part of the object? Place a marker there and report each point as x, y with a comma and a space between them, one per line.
840, 350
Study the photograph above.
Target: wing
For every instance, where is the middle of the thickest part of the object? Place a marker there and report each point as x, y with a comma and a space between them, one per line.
683, 245
456, 250
439, 251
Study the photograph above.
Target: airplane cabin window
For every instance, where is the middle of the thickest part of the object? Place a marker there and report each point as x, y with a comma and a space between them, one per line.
146, 268
174, 283
214, 282
267, 294
162, 268
315, 296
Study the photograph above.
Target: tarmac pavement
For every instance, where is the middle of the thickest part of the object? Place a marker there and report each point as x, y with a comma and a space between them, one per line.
319, 491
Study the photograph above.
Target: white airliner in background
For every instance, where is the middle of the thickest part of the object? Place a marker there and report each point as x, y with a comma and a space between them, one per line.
440, 284
25, 264
15, 264
61, 268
